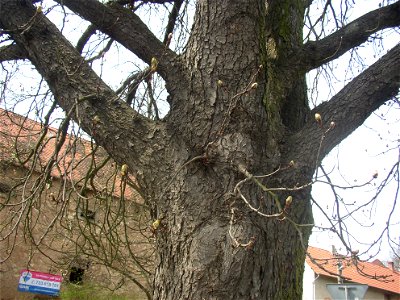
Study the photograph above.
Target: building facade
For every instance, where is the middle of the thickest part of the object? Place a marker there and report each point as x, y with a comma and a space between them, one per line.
67, 209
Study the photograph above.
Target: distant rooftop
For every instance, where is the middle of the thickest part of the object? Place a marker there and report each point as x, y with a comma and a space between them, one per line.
20, 136
374, 274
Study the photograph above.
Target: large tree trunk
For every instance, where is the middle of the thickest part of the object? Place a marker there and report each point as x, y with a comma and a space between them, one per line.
198, 259
237, 109
210, 244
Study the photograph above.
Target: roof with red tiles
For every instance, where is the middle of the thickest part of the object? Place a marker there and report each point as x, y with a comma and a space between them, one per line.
374, 275
26, 142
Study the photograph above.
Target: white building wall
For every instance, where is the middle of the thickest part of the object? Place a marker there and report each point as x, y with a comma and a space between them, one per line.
308, 283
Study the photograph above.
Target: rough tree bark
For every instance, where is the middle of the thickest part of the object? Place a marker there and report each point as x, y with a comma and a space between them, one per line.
238, 106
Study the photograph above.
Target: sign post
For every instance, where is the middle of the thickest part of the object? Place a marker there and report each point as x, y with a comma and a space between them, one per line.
347, 291
39, 283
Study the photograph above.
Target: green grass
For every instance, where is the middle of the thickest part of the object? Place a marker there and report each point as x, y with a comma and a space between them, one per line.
92, 292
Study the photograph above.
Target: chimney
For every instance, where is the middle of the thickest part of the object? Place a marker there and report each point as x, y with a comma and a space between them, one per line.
391, 265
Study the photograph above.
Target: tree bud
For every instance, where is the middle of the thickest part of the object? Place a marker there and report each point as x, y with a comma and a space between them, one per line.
254, 85
96, 119
124, 169
169, 38
288, 201
318, 118
156, 224
154, 64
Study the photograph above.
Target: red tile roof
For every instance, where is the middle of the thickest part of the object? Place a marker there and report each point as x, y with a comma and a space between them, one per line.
19, 137
374, 275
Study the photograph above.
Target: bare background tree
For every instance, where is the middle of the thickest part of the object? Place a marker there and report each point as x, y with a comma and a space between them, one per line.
396, 258
226, 155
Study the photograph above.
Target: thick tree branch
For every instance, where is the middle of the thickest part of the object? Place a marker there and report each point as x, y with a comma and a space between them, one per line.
85, 37
126, 28
78, 89
317, 53
348, 109
12, 52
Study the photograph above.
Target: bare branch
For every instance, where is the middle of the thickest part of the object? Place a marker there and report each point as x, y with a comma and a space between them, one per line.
132, 84
364, 94
85, 37
102, 51
316, 53
125, 27
75, 85
172, 19
12, 52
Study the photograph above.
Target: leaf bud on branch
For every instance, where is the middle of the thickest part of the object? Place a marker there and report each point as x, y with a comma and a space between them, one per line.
154, 64
156, 224
288, 201
168, 41
318, 119
124, 170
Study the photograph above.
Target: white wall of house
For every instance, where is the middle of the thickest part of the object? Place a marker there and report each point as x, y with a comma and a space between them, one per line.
308, 283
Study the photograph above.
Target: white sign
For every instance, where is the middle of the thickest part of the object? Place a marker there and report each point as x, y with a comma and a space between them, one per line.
39, 283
